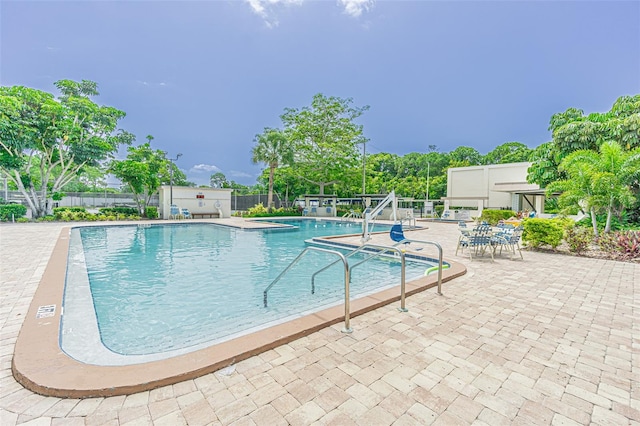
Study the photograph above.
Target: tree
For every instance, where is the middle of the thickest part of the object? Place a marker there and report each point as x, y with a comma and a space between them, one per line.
509, 152
599, 181
45, 142
325, 139
465, 156
573, 131
143, 171
272, 148
218, 180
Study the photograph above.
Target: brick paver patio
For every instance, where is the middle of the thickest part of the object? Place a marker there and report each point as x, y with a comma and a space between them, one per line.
552, 339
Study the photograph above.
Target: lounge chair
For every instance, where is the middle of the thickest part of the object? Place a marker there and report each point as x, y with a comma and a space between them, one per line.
185, 213
174, 212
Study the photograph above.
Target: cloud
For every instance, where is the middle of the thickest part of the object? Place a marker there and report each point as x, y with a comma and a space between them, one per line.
237, 174
266, 9
356, 7
204, 168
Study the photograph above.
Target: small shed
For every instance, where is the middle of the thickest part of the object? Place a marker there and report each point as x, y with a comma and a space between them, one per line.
201, 202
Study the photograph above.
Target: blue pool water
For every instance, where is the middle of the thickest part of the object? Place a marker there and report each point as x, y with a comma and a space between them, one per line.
164, 287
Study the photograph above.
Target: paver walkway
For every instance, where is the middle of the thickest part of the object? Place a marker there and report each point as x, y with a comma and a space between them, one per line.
552, 339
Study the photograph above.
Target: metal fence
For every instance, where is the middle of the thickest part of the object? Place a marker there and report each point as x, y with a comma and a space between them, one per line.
107, 199
244, 202
89, 199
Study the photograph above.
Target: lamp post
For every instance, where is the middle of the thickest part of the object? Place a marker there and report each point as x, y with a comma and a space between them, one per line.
171, 178
427, 200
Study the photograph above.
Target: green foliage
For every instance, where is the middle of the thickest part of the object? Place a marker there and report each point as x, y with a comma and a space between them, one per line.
510, 152
325, 139
578, 238
7, 211
143, 171
123, 211
573, 131
494, 216
601, 221
22, 220
152, 212
623, 245
274, 149
259, 210
539, 232
45, 141
58, 210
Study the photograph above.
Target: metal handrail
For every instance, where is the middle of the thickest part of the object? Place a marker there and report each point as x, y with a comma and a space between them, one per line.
382, 249
401, 252
439, 259
347, 307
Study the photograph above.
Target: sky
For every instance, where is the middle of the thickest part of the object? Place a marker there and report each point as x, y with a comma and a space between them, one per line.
204, 77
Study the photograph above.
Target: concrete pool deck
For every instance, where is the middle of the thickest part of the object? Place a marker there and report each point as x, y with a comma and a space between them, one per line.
548, 340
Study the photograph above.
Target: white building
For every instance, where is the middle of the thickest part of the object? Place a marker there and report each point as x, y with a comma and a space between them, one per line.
201, 202
496, 186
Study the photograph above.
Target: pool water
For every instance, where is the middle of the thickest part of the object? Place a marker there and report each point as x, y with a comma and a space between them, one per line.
165, 287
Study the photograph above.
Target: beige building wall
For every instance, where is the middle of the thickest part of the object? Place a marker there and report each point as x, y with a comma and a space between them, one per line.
197, 200
492, 186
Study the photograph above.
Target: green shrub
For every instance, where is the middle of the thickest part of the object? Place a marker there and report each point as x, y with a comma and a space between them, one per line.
494, 216
46, 219
68, 209
538, 232
151, 212
260, 210
578, 238
22, 220
119, 210
7, 211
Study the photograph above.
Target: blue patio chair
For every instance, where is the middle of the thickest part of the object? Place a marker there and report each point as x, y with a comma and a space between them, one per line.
185, 213
397, 234
174, 212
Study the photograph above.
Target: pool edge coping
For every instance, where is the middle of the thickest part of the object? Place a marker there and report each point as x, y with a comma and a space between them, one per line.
40, 365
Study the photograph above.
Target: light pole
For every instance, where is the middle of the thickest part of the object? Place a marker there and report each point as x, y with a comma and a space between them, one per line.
427, 200
171, 178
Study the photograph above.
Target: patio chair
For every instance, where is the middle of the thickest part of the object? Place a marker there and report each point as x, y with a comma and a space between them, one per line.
478, 240
174, 212
463, 239
186, 214
397, 235
510, 241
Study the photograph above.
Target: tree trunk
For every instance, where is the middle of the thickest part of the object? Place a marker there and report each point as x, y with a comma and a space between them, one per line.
270, 195
321, 188
607, 226
594, 222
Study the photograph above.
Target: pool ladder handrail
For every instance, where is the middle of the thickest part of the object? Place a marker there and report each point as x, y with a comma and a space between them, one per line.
439, 247
382, 249
347, 280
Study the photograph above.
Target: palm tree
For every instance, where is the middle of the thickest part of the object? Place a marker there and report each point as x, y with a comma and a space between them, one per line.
599, 181
272, 148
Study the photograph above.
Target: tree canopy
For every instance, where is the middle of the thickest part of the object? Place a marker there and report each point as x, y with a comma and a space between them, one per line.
45, 142
325, 139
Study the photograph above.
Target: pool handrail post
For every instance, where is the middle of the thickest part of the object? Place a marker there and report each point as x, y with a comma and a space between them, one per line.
347, 307
439, 260
401, 252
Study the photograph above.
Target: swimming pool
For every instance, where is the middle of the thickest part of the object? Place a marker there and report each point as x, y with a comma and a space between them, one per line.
140, 293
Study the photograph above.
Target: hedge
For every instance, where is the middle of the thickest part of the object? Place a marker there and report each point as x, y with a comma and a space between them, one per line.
7, 210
